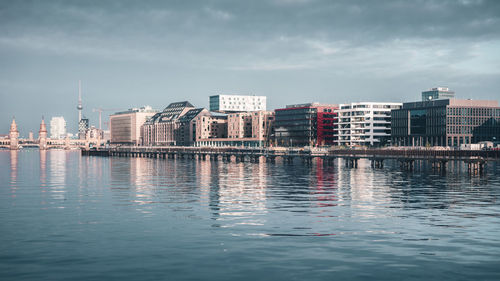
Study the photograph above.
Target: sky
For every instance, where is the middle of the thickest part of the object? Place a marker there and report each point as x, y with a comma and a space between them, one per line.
134, 53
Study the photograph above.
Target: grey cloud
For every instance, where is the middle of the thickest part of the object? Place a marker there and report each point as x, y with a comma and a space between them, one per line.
295, 41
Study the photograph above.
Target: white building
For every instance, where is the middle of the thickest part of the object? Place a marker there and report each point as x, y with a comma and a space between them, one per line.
237, 103
365, 123
57, 128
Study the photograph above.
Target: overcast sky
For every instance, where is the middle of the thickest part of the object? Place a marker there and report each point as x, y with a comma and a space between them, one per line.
134, 53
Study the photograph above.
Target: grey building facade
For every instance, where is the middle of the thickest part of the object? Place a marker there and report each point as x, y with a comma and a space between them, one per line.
448, 122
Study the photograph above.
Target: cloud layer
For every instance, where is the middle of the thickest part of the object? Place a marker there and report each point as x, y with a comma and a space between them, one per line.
287, 49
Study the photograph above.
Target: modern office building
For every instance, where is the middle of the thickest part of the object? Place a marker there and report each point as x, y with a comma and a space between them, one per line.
365, 123
308, 124
57, 128
438, 93
125, 126
160, 128
237, 103
450, 122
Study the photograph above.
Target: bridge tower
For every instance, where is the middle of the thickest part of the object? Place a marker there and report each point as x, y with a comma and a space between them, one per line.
14, 135
42, 135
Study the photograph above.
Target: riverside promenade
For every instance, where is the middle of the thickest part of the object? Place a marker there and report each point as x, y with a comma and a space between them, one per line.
474, 159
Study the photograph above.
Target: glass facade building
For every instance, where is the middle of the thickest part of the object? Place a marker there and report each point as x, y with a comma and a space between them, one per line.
309, 124
445, 123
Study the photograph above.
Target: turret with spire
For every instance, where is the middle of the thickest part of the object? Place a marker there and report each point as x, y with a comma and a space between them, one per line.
14, 135
42, 135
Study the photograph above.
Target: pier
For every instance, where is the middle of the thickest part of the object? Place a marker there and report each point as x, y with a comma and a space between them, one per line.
476, 160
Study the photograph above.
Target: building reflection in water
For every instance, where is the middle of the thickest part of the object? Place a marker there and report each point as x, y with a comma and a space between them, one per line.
357, 188
238, 193
13, 171
57, 176
324, 186
43, 168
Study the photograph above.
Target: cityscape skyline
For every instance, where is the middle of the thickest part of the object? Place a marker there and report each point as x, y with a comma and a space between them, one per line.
129, 55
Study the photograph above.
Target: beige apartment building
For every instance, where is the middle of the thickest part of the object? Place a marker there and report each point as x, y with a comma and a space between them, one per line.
125, 126
239, 125
243, 129
213, 126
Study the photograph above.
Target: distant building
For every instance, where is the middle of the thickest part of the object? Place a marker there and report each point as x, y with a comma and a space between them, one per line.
57, 128
125, 126
438, 93
237, 103
365, 123
83, 126
309, 124
14, 135
450, 122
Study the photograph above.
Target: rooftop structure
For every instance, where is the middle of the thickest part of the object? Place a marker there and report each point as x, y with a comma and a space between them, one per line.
437, 93
237, 103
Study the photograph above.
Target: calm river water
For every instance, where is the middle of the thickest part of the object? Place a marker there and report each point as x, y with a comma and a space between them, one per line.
68, 217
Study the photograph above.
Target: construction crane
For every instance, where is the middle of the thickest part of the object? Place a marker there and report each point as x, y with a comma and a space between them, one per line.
100, 110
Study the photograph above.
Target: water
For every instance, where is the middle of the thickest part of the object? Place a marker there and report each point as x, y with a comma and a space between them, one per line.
67, 217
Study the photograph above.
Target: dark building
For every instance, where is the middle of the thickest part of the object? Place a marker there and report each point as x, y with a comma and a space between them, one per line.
305, 124
450, 122
83, 126
185, 131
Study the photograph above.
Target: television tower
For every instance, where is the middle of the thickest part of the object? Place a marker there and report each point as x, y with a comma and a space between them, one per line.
79, 106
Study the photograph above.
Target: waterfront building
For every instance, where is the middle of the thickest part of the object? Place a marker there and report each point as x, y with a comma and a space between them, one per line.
263, 126
450, 122
57, 128
437, 93
31, 138
239, 125
125, 126
96, 136
185, 132
309, 124
42, 135
365, 123
213, 126
243, 129
237, 103
160, 128
14, 135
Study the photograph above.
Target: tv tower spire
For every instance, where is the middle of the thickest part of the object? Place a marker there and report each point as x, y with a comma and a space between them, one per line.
80, 106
